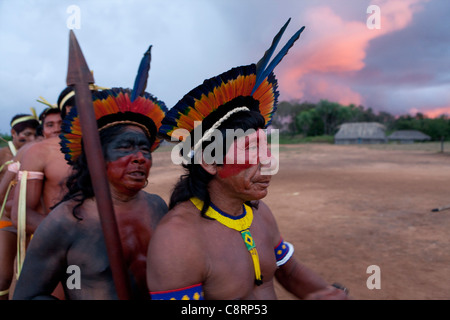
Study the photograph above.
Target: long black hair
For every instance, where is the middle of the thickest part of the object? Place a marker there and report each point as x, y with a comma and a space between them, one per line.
194, 183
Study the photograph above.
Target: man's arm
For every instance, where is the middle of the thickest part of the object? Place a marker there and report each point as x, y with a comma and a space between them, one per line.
174, 260
293, 275
32, 161
45, 262
4, 185
305, 283
33, 197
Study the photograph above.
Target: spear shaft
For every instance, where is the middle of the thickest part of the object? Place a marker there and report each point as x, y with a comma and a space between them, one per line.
79, 76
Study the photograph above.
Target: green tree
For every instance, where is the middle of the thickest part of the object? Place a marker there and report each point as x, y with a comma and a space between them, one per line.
304, 121
285, 117
329, 113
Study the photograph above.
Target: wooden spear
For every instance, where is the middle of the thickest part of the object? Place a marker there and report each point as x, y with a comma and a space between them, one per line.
79, 76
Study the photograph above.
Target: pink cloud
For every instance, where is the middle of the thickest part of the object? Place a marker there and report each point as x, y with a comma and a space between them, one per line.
433, 113
332, 48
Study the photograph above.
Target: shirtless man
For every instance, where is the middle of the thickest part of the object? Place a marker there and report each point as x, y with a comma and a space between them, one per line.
50, 119
23, 129
46, 169
207, 257
72, 233
219, 240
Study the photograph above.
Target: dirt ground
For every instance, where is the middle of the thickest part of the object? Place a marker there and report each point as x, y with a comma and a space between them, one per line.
346, 208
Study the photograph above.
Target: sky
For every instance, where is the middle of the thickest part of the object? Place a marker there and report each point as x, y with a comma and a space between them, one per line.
394, 57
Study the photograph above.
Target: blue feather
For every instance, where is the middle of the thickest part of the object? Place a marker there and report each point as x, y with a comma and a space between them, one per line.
140, 83
262, 63
282, 53
264, 73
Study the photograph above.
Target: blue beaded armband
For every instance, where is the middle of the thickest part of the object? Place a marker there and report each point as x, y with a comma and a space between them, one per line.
283, 252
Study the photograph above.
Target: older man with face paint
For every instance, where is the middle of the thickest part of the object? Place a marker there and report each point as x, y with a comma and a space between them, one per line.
219, 240
72, 232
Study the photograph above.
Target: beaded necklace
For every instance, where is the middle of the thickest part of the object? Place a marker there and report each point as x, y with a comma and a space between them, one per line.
240, 223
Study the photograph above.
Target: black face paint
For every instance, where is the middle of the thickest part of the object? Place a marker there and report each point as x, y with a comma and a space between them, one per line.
128, 143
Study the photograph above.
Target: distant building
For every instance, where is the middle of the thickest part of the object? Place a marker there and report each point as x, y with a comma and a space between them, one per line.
360, 133
408, 136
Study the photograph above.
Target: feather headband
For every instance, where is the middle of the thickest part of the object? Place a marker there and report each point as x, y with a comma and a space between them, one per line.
218, 96
117, 106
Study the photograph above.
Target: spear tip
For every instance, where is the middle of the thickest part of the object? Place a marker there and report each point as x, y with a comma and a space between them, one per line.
78, 70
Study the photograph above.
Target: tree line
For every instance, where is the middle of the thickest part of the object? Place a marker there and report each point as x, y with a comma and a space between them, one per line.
325, 117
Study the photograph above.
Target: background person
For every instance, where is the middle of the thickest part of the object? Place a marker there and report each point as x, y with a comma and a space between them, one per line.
23, 130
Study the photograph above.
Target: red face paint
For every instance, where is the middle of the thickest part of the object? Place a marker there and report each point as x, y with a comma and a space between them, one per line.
243, 154
129, 161
229, 170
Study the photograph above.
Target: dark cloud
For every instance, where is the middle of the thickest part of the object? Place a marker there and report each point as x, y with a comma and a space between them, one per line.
197, 39
410, 68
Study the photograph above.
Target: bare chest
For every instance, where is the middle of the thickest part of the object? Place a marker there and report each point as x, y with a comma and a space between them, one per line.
90, 252
231, 269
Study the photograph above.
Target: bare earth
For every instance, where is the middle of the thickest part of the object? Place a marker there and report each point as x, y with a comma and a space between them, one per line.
346, 208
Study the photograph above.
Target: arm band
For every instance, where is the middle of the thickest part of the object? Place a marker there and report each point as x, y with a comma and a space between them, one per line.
32, 175
14, 167
283, 252
194, 292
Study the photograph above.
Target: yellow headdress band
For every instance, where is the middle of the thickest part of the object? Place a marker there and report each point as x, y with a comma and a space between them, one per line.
67, 97
92, 87
25, 118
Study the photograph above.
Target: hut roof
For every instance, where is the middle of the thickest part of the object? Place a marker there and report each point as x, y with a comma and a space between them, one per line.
409, 135
363, 130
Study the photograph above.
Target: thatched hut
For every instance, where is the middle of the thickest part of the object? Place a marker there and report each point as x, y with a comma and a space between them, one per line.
408, 136
360, 133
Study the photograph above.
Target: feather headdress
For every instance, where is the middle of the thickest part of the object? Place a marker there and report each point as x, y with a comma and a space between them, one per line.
117, 106
216, 95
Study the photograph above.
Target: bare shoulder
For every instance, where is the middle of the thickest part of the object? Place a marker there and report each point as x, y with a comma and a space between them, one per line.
155, 201
23, 150
266, 216
35, 155
263, 210
156, 205
176, 250
59, 224
182, 220
178, 230
63, 214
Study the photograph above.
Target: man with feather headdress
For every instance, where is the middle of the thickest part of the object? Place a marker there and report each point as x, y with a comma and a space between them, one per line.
219, 240
128, 123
